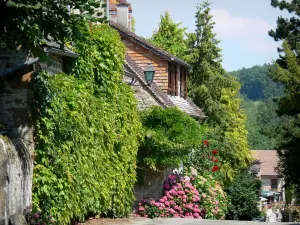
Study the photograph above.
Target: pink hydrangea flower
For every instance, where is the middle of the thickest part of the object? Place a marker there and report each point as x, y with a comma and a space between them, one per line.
181, 192
162, 200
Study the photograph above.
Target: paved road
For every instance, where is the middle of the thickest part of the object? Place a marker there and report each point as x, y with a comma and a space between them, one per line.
202, 222
142, 221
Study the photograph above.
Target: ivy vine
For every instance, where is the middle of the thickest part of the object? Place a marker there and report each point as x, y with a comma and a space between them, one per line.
87, 134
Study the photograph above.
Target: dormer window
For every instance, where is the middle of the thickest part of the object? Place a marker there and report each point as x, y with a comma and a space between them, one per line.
177, 80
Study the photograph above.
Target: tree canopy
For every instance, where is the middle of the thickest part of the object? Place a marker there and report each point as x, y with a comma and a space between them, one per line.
32, 22
259, 92
288, 29
289, 105
170, 36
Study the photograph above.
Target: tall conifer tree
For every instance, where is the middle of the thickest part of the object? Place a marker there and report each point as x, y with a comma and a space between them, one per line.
170, 36
215, 91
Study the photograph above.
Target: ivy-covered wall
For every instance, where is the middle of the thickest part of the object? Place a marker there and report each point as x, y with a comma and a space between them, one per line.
88, 132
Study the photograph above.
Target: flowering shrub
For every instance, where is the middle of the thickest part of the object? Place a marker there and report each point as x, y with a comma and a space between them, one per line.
205, 158
295, 211
36, 217
213, 197
182, 199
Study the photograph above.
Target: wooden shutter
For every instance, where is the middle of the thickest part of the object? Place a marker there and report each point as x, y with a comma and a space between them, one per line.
169, 79
176, 81
185, 83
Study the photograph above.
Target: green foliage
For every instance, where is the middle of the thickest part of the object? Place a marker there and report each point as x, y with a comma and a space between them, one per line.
170, 36
243, 195
259, 92
31, 22
289, 140
215, 91
87, 134
256, 83
133, 22
288, 29
170, 136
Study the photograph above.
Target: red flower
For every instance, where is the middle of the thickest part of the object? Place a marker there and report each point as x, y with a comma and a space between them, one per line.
215, 168
215, 152
216, 160
205, 143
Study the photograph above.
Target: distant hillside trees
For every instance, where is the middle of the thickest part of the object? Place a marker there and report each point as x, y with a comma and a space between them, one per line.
259, 93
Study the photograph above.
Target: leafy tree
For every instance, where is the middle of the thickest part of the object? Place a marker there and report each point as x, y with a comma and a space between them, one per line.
170, 136
289, 105
243, 195
170, 36
31, 22
288, 29
212, 89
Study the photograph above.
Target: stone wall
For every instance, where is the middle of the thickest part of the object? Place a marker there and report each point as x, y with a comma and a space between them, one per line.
150, 185
16, 149
15, 180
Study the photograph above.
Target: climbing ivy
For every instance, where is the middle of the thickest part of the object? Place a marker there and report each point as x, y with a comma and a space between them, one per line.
87, 134
170, 136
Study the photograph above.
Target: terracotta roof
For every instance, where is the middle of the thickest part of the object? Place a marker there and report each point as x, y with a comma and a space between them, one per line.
186, 105
268, 161
146, 44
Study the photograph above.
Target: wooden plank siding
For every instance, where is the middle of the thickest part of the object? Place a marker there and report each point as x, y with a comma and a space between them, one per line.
143, 56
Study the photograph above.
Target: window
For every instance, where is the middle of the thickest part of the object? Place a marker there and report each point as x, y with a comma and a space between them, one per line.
177, 81
274, 183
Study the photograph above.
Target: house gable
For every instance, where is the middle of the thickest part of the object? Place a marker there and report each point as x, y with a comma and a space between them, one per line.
143, 56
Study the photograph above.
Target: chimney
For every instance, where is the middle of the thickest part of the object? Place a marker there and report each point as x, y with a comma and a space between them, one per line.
123, 14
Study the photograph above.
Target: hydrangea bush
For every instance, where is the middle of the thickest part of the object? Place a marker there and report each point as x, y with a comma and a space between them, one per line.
189, 196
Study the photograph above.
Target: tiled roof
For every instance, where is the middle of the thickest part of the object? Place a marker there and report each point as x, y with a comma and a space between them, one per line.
187, 106
141, 41
268, 161
55, 48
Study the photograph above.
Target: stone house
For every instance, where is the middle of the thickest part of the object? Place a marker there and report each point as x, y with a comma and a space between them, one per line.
16, 147
272, 184
169, 88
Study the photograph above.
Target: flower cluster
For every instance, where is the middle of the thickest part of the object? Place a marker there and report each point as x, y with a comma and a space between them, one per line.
181, 200
213, 197
35, 217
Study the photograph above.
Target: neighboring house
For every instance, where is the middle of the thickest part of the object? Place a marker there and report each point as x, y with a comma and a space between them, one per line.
16, 164
272, 184
169, 88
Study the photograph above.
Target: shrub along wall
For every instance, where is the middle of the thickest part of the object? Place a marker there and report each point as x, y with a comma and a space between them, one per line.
88, 131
